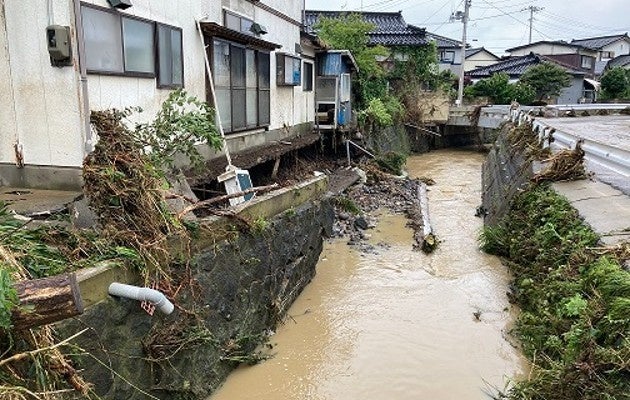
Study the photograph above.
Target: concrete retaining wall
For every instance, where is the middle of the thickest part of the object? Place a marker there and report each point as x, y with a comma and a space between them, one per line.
504, 173
240, 288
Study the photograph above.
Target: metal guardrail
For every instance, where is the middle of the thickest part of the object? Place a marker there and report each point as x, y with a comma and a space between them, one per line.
609, 157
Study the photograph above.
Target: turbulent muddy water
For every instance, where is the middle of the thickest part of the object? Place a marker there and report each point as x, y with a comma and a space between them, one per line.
398, 324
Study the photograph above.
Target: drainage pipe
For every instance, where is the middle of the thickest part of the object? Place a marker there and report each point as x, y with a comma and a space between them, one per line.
142, 294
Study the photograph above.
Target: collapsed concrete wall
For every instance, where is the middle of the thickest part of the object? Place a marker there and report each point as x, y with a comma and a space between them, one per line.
239, 288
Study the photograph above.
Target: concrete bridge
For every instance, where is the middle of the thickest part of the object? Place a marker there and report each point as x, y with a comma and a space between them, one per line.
603, 129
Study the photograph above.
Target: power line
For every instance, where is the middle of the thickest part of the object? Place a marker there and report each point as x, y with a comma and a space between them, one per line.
437, 11
514, 18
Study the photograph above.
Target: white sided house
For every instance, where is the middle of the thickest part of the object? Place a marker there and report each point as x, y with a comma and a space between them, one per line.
59, 59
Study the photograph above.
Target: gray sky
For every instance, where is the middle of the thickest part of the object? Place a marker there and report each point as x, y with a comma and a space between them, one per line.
501, 24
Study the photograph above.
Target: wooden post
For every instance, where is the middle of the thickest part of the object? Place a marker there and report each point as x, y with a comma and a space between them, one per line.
276, 165
47, 300
429, 242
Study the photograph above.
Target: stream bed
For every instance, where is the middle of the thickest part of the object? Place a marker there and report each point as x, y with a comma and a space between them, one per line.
397, 323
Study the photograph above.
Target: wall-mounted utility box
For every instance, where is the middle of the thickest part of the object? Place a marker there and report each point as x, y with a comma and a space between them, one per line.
58, 42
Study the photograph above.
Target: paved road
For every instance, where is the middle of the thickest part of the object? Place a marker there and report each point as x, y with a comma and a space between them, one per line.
612, 130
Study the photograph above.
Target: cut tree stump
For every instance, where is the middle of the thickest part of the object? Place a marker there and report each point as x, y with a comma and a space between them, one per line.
47, 300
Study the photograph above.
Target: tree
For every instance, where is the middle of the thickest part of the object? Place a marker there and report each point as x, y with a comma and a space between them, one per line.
499, 90
350, 32
546, 79
616, 83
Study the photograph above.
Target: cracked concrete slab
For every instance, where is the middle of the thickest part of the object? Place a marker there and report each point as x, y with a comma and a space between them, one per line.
604, 208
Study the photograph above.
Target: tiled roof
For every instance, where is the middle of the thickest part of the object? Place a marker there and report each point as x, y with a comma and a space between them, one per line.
597, 43
443, 41
516, 66
472, 52
619, 61
391, 28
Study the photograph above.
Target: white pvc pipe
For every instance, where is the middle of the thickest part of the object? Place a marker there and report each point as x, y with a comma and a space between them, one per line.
142, 294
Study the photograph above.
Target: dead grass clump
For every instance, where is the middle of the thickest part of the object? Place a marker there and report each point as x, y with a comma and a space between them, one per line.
566, 165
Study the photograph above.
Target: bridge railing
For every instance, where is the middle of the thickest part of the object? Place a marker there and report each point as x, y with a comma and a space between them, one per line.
612, 158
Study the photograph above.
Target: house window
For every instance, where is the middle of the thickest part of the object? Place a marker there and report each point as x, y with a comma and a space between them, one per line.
307, 76
241, 80
288, 70
587, 62
237, 23
607, 54
123, 45
170, 60
447, 57
138, 45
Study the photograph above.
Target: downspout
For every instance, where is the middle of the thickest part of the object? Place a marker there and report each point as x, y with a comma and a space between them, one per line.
83, 82
158, 299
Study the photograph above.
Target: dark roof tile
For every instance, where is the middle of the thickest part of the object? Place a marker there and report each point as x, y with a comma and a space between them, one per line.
391, 28
597, 43
516, 66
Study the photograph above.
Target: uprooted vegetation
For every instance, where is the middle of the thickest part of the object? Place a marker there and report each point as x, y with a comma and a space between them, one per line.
125, 184
574, 296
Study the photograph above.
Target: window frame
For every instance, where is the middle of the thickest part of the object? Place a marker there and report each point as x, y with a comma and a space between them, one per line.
155, 25
281, 60
157, 56
261, 92
443, 58
307, 79
586, 58
241, 18
125, 72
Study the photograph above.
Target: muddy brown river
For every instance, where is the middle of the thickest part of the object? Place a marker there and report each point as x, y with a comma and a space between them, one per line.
398, 324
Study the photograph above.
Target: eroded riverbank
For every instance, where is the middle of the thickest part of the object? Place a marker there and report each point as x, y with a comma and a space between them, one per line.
397, 323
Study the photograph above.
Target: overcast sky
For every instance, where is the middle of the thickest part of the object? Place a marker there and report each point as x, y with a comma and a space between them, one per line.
501, 24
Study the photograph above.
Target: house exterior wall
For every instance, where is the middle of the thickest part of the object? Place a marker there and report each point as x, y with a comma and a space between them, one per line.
573, 93
619, 48
481, 59
44, 111
575, 60
455, 65
40, 108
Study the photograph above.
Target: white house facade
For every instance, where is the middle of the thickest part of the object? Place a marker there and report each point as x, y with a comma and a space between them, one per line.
135, 56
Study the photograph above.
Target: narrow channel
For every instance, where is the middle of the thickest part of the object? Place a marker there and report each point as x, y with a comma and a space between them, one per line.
398, 324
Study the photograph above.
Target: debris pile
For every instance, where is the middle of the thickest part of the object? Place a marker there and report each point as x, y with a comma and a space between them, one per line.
566, 165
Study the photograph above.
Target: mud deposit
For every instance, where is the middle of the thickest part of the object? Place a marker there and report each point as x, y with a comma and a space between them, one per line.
395, 323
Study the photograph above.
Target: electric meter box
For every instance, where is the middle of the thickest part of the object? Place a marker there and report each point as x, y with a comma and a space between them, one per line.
58, 40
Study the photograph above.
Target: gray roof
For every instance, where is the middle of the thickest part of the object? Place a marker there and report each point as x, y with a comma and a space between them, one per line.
391, 28
516, 66
596, 43
472, 52
555, 42
619, 61
443, 41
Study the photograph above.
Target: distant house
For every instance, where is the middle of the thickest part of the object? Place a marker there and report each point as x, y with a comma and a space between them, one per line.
392, 31
607, 47
575, 55
515, 67
619, 61
116, 58
479, 57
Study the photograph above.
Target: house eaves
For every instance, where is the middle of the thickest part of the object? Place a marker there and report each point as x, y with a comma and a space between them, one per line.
551, 42
214, 29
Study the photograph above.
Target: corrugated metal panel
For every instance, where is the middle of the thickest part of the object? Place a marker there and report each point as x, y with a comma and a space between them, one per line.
330, 64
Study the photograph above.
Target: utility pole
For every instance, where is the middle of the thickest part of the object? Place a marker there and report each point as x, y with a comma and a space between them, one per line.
532, 10
463, 16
